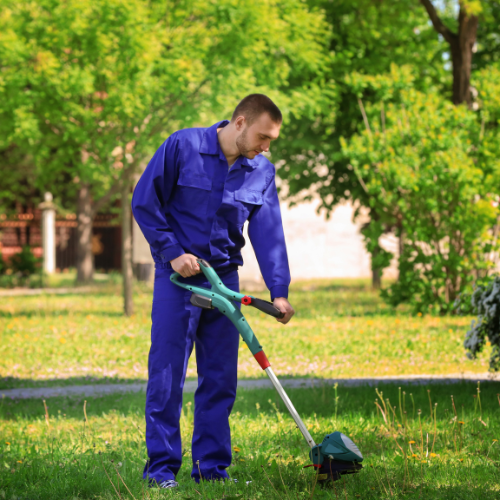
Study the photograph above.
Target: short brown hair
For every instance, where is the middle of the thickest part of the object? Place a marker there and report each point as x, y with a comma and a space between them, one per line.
253, 105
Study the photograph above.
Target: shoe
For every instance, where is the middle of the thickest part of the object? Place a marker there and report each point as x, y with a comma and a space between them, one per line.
168, 484
234, 480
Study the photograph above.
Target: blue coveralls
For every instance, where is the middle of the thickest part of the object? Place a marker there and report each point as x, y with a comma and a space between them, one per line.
188, 202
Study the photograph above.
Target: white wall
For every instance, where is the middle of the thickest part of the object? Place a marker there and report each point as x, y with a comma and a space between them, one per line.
320, 248
317, 248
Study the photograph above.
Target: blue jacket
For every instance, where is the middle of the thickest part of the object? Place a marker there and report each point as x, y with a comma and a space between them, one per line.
186, 201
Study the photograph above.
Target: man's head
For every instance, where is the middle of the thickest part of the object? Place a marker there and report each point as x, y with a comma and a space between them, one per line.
257, 121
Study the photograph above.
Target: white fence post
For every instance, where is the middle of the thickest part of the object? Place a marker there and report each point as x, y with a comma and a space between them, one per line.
48, 234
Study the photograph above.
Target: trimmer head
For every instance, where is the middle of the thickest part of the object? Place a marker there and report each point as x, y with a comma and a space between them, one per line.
332, 470
336, 446
336, 455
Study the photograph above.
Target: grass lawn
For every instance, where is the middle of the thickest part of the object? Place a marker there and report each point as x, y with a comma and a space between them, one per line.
418, 451
341, 329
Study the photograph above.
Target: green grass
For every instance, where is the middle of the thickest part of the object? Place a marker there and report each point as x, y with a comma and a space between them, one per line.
341, 329
64, 457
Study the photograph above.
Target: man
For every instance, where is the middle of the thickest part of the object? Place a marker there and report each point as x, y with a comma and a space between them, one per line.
192, 202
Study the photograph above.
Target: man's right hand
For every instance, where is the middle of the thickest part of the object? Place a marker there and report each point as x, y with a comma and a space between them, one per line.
186, 265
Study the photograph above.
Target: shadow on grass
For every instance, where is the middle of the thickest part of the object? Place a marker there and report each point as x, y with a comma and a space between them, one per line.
42, 313
319, 401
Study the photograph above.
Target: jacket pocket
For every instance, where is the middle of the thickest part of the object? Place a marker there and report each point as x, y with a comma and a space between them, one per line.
188, 178
245, 202
192, 193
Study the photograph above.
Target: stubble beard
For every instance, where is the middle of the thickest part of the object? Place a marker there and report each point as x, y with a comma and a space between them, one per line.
242, 144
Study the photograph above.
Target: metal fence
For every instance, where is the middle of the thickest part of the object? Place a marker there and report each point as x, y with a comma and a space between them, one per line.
25, 229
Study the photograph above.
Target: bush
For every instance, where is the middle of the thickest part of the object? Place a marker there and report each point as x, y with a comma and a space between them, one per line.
427, 178
3, 265
23, 269
24, 262
485, 302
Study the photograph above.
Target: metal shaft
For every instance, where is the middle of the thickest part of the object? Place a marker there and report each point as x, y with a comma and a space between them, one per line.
291, 408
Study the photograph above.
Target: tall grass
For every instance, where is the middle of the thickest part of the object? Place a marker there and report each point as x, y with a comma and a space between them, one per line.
447, 449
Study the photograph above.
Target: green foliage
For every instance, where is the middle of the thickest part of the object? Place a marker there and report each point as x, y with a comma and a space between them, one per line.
3, 265
488, 40
484, 301
22, 269
24, 262
423, 166
365, 38
91, 89
372, 231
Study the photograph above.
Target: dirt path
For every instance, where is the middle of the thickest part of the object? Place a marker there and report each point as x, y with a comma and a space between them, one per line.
190, 386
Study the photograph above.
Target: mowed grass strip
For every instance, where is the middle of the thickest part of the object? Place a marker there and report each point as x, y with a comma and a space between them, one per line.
419, 450
341, 329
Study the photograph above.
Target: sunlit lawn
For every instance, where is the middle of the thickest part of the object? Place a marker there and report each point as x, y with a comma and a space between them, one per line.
341, 329
413, 449
408, 453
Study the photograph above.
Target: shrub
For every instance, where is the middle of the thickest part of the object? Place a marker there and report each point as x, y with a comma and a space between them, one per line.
3, 265
485, 302
427, 175
24, 262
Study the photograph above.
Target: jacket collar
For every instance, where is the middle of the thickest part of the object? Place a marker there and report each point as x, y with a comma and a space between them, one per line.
210, 145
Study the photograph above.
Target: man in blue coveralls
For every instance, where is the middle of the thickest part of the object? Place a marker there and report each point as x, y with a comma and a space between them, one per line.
191, 202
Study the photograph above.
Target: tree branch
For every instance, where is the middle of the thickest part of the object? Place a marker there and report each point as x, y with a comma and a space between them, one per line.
101, 202
439, 26
365, 118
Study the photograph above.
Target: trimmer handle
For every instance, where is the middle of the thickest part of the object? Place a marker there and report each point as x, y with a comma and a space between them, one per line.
262, 305
266, 307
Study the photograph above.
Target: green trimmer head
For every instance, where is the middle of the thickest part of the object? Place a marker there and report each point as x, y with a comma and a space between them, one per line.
337, 454
335, 446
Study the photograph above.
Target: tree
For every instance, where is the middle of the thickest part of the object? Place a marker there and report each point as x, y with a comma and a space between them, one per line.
428, 171
365, 38
97, 86
488, 41
462, 44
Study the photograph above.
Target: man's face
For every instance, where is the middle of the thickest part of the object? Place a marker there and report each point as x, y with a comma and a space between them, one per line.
257, 137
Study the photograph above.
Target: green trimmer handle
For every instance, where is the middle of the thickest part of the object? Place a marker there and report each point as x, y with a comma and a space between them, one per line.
222, 298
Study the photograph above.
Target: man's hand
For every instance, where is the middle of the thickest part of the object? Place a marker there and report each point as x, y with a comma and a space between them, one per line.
186, 265
285, 307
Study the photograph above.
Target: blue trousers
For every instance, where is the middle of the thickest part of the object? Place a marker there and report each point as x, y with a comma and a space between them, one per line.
177, 325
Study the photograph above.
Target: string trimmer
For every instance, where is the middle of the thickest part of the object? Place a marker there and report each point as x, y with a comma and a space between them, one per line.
336, 454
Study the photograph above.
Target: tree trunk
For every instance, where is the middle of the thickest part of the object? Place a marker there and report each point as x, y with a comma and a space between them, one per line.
401, 246
128, 305
461, 56
461, 46
84, 256
376, 273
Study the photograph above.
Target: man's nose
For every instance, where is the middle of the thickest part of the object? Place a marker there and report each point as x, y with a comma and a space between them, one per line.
265, 147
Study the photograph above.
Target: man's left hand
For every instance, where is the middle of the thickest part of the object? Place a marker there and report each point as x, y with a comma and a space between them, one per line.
285, 307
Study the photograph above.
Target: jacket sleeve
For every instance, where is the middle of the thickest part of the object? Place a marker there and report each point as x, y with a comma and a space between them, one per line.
150, 198
265, 231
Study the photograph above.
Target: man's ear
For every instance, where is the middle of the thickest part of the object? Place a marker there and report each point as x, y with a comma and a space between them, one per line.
240, 123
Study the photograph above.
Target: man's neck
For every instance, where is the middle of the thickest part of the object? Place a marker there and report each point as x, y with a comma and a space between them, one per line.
228, 144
